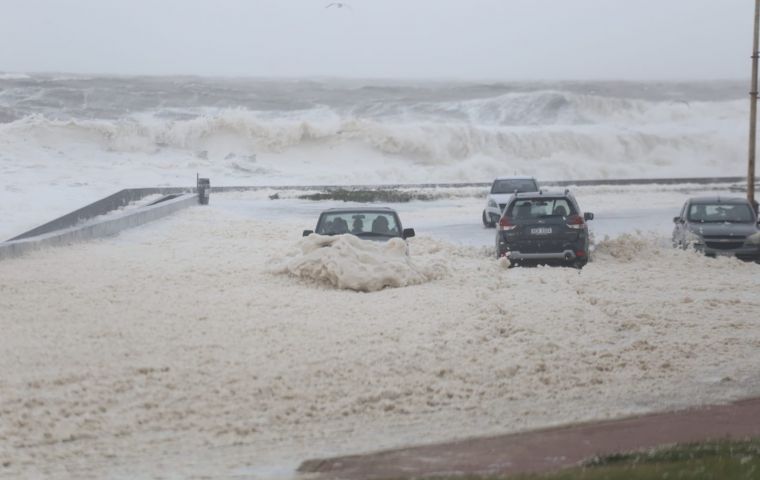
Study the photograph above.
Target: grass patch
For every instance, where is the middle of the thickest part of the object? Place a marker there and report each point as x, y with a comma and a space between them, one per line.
723, 460
369, 196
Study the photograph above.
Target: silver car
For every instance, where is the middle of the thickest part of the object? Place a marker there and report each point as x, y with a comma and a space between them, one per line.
718, 226
502, 191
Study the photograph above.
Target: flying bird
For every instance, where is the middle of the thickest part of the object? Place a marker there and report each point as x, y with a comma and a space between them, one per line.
339, 5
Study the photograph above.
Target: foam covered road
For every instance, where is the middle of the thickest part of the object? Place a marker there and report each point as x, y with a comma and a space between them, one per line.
180, 349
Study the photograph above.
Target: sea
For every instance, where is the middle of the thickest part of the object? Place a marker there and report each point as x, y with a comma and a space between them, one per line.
67, 140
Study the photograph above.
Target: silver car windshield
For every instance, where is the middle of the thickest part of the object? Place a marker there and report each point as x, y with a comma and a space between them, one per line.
720, 212
514, 185
359, 223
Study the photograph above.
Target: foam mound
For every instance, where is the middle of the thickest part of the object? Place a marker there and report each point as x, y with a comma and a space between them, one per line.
629, 247
348, 262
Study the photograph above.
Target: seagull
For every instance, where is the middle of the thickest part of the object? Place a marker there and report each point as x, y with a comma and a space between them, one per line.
339, 5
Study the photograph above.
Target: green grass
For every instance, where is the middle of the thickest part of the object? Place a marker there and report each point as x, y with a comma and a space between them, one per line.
701, 461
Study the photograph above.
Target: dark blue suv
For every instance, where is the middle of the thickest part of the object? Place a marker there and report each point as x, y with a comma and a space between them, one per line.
544, 228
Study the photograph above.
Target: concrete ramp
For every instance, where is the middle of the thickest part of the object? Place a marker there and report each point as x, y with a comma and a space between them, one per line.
94, 228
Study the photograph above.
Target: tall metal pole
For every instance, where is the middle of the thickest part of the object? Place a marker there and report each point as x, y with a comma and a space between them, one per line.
753, 110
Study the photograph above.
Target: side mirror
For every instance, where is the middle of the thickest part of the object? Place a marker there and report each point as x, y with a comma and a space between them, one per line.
407, 233
676, 219
588, 216
306, 233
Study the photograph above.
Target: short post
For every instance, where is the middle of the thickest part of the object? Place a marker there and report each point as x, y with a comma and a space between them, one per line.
753, 111
203, 189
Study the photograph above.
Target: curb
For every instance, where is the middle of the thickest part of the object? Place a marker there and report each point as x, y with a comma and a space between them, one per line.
545, 450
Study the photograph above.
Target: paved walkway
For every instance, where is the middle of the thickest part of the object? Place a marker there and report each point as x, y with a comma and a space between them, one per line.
550, 449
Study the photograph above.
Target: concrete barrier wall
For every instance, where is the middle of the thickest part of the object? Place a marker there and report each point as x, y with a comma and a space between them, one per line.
101, 207
97, 229
124, 197
546, 183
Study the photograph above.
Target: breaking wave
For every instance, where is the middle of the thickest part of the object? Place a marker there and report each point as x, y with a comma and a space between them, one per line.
342, 132
515, 126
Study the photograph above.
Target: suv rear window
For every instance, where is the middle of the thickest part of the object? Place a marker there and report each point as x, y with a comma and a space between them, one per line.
540, 207
514, 184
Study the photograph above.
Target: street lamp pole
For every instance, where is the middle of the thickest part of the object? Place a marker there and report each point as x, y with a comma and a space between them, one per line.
753, 110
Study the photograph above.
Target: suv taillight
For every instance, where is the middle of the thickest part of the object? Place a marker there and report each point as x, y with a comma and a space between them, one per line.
505, 223
575, 221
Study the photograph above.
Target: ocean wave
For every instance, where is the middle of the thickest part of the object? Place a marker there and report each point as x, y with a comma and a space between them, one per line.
564, 108
547, 107
549, 124
14, 76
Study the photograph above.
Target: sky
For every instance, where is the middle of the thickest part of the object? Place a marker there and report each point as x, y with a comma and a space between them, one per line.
451, 39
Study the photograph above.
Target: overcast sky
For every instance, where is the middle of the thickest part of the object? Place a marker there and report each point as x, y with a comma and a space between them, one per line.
483, 39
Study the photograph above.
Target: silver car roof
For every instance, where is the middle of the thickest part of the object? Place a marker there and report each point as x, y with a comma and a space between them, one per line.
719, 199
516, 177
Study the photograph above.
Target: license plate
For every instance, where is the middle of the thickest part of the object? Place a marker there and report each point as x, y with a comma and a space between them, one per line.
541, 231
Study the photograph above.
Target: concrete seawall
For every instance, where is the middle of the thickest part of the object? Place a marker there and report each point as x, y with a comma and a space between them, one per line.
97, 229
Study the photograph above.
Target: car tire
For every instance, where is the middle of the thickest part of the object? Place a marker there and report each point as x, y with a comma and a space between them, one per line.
486, 223
579, 264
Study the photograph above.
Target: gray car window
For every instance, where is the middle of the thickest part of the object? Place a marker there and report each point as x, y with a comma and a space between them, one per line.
720, 212
358, 223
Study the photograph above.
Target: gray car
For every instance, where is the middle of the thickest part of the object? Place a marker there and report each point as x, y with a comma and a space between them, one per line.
369, 223
718, 226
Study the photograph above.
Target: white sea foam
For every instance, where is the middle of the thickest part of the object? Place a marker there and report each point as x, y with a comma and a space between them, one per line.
348, 262
172, 350
628, 247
